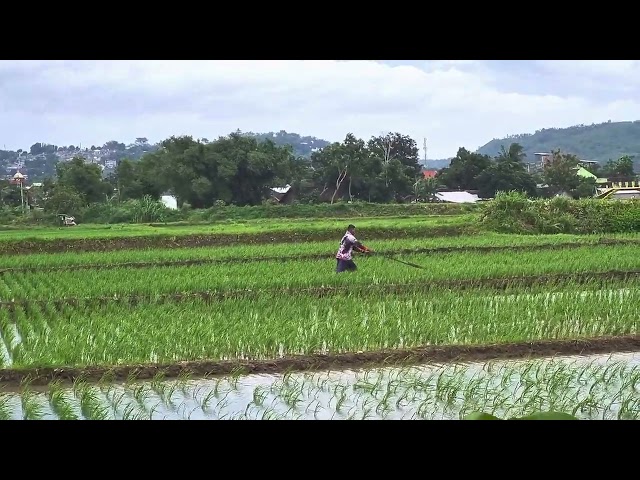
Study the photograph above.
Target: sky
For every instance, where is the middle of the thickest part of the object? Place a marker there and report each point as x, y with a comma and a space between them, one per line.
451, 103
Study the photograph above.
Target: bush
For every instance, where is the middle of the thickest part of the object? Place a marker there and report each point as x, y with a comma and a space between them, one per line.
513, 212
144, 210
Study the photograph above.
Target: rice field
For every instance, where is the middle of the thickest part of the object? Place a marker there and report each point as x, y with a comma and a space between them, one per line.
259, 306
599, 387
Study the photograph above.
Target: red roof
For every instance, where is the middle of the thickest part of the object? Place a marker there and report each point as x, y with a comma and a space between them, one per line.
429, 173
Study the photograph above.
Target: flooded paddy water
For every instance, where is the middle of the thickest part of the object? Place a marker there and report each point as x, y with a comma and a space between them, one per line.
590, 387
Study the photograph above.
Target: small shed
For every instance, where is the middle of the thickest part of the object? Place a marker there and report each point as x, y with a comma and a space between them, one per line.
282, 194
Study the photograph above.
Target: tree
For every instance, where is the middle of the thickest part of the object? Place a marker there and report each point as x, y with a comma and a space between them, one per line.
623, 167
463, 171
587, 187
506, 173
394, 160
234, 169
127, 181
331, 166
560, 173
9, 194
425, 189
83, 178
64, 200
115, 145
142, 141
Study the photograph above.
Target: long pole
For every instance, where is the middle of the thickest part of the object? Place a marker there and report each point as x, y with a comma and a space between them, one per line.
21, 196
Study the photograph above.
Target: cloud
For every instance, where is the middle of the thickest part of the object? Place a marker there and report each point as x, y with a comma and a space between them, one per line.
453, 103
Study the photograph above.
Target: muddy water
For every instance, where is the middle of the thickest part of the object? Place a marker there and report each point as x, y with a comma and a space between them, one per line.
596, 386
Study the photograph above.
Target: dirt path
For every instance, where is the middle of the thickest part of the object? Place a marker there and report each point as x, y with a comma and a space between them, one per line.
431, 354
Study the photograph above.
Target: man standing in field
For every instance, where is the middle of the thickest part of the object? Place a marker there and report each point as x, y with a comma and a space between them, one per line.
347, 244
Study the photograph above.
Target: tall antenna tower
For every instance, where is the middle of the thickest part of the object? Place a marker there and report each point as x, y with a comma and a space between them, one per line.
425, 151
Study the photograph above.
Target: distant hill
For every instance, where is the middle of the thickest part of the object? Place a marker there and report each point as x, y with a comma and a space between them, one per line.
600, 142
436, 164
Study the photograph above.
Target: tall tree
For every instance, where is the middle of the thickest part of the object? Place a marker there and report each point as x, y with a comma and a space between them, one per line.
622, 167
560, 173
332, 166
506, 173
83, 178
396, 162
463, 171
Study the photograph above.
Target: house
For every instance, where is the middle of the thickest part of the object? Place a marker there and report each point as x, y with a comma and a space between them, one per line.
542, 158
283, 195
429, 173
584, 173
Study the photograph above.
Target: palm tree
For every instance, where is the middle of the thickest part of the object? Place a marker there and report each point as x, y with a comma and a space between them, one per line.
514, 155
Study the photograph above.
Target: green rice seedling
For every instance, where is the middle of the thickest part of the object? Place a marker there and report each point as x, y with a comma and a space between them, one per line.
107, 378
132, 413
32, 409
91, 405
78, 385
416, 319
60, 402
5, 406
142, 393
130, 380
295, 275
259, 394
160, 388
262, 251
117, 400
205, 402
183, 382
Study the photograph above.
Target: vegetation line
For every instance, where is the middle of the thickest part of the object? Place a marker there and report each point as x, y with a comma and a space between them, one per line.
186, 241
498, 283
314, 256
380, 358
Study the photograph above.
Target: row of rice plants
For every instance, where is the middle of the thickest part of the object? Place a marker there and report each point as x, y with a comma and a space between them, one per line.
239, 228
298, 274
268, 328
587, 388
248, 252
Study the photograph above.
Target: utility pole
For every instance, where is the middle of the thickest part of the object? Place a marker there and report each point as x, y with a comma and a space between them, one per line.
425, 151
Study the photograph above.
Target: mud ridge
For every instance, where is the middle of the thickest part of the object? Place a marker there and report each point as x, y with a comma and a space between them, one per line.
316, 256
29, 246
495, 283
340, 361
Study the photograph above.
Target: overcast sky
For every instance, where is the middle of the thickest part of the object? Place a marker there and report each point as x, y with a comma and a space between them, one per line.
452, 103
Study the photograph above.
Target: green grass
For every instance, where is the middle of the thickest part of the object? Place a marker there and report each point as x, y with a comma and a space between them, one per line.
267, 328
328, 248
313, 273
247, 227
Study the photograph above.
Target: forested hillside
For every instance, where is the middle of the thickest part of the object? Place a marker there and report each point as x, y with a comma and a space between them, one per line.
600, 142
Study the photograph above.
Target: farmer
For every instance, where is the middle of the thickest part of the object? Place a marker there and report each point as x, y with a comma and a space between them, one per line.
347, 244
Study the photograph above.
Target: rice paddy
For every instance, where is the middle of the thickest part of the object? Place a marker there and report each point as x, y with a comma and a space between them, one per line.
234, 297
602, 387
